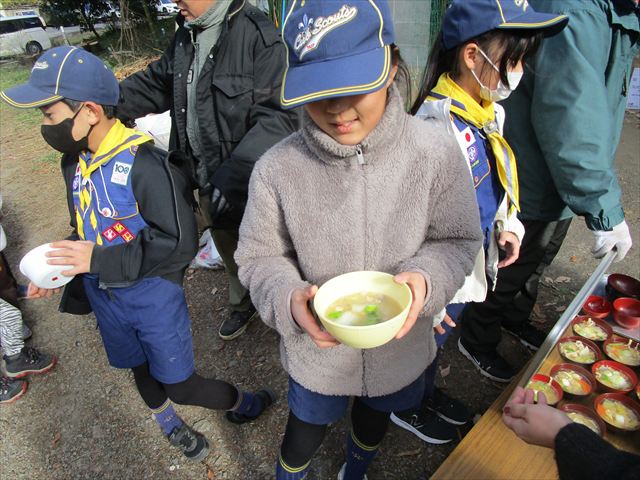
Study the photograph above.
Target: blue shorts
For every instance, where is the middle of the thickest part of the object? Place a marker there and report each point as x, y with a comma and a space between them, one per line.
319, 409
145, 322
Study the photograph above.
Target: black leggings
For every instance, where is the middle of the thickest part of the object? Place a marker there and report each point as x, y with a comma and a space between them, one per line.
302, 439
195, 390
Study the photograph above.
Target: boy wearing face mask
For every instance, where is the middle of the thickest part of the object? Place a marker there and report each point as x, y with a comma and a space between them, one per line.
478, 60
134, 235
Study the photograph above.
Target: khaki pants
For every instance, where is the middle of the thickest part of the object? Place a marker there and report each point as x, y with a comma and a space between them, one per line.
226, 242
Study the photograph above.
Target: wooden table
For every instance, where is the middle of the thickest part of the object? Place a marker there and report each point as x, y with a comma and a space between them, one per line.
493, 452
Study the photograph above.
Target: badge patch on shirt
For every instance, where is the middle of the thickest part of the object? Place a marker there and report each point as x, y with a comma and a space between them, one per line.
109, 234
118, 230
473, 154
76, 183
468, 138
120, 173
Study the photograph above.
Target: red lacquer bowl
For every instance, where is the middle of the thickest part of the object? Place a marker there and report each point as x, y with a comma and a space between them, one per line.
626, 401
587, 412
596, 307
626, 312
623, 369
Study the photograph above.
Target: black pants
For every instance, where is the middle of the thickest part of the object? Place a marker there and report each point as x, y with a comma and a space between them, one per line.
512, 301
196, 390
302, 439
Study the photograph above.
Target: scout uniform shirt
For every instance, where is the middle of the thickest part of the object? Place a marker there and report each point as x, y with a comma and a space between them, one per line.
489, 192
105, 208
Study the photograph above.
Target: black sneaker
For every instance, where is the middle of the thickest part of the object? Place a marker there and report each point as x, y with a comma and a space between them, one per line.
529, 336
236, 324
267, 398
28, 361
193, 444
426, 425
447, 408
491, 365
11, 389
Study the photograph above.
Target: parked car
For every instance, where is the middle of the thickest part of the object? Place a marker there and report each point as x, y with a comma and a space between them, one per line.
166, 6
23, 34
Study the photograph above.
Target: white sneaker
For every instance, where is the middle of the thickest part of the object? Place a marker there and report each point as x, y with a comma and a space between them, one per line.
341, 473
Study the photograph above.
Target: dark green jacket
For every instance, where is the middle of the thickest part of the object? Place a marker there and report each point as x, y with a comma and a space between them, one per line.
564, 121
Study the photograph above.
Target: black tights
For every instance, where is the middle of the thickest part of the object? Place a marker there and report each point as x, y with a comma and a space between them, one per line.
302, 439
195, 390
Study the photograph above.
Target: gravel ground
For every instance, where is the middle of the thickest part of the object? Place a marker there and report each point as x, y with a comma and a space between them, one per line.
85, 419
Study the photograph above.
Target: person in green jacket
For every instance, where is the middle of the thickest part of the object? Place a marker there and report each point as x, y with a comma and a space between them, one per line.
564, 124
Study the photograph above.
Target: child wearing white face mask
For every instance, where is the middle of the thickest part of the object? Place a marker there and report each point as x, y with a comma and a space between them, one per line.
477, 60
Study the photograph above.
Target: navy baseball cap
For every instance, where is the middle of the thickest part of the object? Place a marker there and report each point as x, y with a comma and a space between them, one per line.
65, 72
467, 19
335, 49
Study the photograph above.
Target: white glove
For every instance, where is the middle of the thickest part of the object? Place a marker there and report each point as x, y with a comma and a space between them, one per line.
619, 238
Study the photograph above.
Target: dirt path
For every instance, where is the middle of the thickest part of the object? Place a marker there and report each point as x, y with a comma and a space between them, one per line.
85, 419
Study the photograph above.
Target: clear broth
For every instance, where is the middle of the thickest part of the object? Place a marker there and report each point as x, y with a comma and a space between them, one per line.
363, 309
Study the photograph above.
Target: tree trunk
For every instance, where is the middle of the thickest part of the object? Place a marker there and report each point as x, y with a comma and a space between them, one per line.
89, 22
147, 14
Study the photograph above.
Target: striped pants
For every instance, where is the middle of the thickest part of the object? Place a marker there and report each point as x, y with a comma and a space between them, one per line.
10, 328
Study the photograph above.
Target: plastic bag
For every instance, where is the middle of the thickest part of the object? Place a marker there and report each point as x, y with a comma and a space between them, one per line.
158, 127
208, 256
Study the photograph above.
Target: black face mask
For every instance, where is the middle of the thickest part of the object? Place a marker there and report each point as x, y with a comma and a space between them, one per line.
60, 138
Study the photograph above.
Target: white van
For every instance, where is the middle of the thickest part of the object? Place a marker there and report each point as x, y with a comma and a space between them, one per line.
23, 34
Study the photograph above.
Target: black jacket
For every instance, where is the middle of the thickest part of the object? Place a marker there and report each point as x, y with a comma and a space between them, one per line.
583, 455
238, 100
163, 249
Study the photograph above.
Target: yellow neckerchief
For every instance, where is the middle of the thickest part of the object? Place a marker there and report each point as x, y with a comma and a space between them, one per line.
483, 117
118, 138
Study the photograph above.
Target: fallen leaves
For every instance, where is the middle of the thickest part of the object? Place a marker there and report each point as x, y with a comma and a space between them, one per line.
56, 440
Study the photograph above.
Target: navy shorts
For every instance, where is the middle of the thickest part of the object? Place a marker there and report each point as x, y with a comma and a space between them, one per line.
319, 409
145, 322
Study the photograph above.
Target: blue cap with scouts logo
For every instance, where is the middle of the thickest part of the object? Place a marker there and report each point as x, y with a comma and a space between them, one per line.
467, 19
335, 49
65, 72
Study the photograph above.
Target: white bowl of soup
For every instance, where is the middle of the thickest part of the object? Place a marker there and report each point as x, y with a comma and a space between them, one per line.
363, 309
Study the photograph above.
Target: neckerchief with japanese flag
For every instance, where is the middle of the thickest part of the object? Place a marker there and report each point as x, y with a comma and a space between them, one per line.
118, 139
483, 117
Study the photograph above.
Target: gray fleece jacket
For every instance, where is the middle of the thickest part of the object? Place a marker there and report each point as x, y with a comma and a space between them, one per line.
316, 209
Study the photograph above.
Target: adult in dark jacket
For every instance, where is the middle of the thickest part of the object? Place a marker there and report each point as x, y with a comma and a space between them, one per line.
221, 78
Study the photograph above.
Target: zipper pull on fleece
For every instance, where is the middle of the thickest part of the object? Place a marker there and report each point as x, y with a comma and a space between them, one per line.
360, 155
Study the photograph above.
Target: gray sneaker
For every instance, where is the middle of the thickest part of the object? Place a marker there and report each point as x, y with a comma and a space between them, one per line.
193, 444
11, 390
28, 361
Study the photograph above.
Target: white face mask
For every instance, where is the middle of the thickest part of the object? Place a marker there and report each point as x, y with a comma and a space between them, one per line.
501, 92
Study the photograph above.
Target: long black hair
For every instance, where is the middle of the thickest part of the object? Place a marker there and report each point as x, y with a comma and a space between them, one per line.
403, 76
516, 45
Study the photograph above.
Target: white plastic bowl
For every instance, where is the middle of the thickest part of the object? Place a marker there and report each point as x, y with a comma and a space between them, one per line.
35, 267
369, 336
